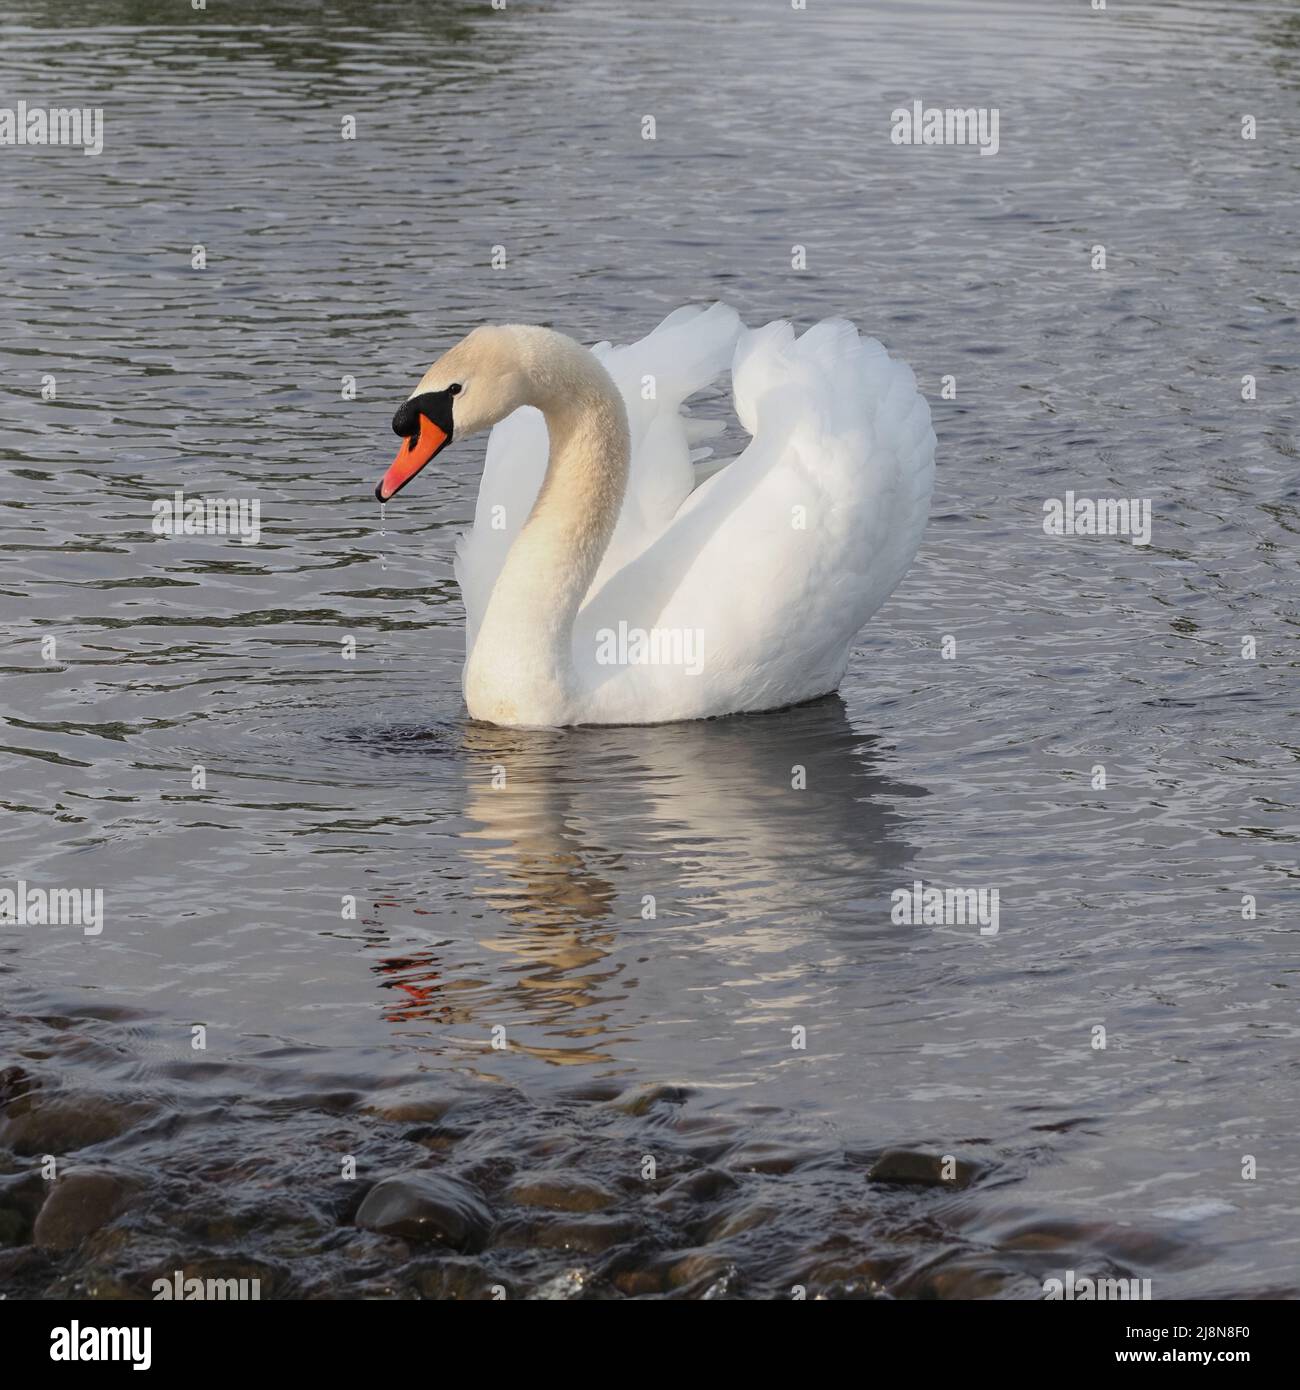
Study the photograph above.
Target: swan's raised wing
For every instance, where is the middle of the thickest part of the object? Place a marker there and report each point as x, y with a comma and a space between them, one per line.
778, 559
692, 347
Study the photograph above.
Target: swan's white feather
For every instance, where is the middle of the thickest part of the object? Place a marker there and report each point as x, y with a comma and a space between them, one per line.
776, 559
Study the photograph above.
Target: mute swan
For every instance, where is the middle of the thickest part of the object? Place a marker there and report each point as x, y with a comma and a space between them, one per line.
615, 579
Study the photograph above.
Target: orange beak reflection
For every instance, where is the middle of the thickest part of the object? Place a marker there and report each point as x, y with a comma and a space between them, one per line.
417, 449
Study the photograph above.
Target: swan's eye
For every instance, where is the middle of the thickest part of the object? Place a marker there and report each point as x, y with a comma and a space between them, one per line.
455, 389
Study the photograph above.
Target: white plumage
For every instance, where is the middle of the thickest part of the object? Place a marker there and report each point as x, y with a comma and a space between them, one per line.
747, 582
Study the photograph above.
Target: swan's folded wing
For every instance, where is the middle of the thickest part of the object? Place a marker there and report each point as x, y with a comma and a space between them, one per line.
691, 348
778, 559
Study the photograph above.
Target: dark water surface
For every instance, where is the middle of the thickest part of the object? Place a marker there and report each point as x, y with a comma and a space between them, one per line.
629, 1038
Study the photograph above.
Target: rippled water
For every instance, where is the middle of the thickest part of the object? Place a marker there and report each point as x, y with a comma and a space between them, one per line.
631, 1038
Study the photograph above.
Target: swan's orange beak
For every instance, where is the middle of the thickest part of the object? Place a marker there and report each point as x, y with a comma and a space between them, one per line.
415, 452
425, 422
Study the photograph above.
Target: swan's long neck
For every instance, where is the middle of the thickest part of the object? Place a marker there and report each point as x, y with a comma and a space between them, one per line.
523, 656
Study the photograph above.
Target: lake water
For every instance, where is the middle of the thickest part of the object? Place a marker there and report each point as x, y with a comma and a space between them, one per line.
650, 1126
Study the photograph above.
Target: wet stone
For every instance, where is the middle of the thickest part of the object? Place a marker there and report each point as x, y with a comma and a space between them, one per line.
491, 1173
91, 1281
107, 1247
909, 1167
330, 1102
15, 1083
1043, 1235
700, 1271
514, 1232
864, 1278
1140, 1245
560, 1192
735, 1221
22, 1195
435, 1138
77, 1205
959, 1278
706, 1185
14, 1227
24, 1263
455, 1279
639, 1283
562, 1144
593, 1236
427, 1207
373, 1253
767, 1158
593, 1091
707, 1155
644, 1098
65, 1124
407, 1108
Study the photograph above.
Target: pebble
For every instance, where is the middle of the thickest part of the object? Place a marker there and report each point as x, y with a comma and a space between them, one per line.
78, 1204
645, 1098
767, 1158
14, 1227
15, 1083
703, 1185
733, 1221
427, 1207
406, 1107
560, 1192
863, 1278
702, 1267
455, 1279
22, 1195
636, 1283
960, 1278
592, 1091
593, 1236
64, 1124
920, 1170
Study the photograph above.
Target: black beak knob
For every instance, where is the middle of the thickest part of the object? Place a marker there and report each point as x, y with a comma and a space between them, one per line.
435, 404
407, 420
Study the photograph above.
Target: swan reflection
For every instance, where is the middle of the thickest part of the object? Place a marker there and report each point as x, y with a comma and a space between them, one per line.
593, 852
750, 820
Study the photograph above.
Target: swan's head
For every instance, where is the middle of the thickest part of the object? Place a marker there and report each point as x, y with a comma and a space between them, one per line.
468, 389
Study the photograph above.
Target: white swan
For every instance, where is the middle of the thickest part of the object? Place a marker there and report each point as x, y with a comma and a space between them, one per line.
611, 580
